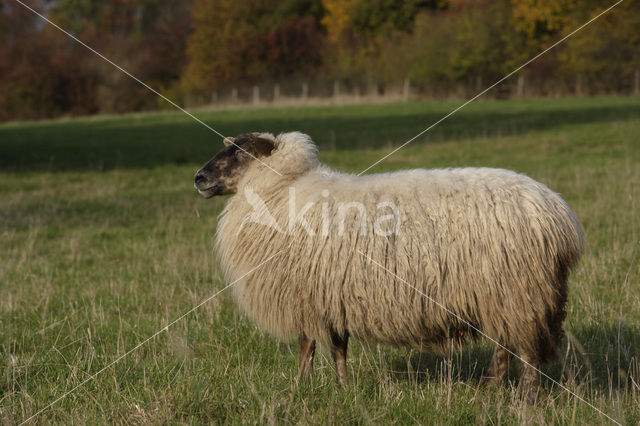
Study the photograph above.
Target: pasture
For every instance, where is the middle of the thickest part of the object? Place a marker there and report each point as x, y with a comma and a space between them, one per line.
103, 241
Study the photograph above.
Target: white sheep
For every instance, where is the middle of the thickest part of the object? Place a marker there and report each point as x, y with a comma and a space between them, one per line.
377, 257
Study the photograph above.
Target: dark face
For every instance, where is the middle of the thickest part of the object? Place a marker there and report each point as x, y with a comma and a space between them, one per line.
221, 174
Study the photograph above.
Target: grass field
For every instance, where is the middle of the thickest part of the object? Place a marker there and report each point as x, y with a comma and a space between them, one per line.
103, 241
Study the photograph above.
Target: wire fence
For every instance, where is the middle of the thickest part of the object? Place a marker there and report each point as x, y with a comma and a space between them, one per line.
345, 91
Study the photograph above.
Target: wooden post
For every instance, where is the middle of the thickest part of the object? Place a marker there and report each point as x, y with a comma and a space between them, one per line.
520, 87
305, 90
336, 89
214, 97
579, 85
372, 87
406, 89
276, 92
234, 95
256, 95
478, 83
636, 86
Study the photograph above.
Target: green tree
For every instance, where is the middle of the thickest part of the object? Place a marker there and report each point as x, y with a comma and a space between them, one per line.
607, 53
360, 31
467, 44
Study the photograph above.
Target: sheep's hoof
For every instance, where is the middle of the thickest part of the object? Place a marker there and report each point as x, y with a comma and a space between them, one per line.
492, 381
305, 376
529, 394
342, 381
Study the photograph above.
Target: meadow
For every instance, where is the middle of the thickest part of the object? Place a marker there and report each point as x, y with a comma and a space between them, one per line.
104, 241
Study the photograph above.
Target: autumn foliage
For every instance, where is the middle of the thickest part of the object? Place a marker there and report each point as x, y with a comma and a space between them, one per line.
189, 49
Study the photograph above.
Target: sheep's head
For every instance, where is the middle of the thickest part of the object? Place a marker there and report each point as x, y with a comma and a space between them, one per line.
221, 174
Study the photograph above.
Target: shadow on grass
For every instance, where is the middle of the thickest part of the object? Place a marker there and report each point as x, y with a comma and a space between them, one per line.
605, 357
148, 141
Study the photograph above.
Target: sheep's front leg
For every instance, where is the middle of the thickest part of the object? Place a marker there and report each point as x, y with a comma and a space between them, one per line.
499, 366
307, 349
339, 353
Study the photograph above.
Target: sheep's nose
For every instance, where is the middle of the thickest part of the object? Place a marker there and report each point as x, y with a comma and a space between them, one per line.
199, 178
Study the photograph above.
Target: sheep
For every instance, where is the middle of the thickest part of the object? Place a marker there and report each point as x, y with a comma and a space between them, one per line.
458, 252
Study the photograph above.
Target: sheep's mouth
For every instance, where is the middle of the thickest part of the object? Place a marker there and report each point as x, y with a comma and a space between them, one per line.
210, 191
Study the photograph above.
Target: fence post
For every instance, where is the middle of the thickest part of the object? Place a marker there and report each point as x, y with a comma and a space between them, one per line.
636, 86
372, 87
579, 85
336, 89
276, 92
520, 87
406, 89
214, 97
305, 90
234, 95
256, 95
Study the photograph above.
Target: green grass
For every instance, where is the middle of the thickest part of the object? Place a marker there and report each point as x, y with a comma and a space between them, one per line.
103, 240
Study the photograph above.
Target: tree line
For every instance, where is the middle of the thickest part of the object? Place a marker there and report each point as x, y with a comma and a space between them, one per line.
189, 49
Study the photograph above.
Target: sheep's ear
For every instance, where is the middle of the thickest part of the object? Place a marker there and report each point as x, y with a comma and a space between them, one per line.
263, 146
228, 141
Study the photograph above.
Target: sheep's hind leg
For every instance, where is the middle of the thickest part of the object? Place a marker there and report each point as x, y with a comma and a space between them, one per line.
339, 353
307, 350
499, 366
529, 379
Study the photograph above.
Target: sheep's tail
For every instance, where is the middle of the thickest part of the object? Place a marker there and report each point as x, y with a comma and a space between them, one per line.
569, 252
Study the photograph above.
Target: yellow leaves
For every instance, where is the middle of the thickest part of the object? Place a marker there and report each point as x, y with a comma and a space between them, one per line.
538, 18
338, 16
